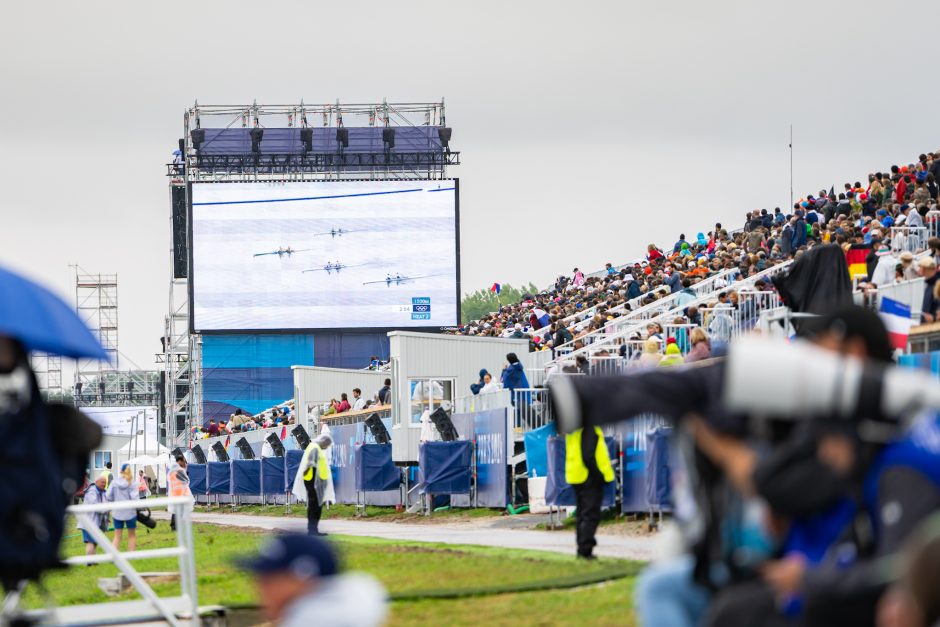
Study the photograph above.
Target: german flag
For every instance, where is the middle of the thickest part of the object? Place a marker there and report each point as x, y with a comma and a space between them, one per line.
855, 258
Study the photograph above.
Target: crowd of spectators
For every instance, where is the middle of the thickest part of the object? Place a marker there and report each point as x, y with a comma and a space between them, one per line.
860, 216
240, 422
358, 401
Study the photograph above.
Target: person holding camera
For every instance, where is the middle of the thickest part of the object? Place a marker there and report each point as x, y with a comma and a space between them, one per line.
124, 488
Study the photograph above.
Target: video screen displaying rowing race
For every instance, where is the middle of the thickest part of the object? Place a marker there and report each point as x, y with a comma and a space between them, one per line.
324, 255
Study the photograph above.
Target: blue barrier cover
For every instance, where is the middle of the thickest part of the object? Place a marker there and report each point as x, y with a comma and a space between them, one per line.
657, 467
375, 470
246, 476
292, 463
445, 467
272, 475
558, 491
197, 478
219, 477
536, 456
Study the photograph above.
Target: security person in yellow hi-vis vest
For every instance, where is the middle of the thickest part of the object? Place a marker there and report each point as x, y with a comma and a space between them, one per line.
587, 469
317, 478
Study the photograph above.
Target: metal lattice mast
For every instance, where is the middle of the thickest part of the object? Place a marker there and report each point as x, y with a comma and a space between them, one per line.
96, 301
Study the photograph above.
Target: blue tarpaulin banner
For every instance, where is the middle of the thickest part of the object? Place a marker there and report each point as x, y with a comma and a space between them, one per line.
635, 488
246, 477
375, 470
558, 491
219, 477
345, 450
292, 463
491, 439
272, 475
536, 456
445, 467
657, 467
197, 478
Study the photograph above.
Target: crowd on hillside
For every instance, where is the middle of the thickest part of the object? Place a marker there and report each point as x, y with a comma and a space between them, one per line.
864, 216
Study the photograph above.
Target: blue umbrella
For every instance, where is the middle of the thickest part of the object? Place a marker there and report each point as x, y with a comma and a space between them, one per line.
42, 321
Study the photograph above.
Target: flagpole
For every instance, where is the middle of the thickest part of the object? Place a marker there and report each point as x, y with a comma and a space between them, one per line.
791, 167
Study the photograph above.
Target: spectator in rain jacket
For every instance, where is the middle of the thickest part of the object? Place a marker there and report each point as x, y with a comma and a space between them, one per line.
476, 387
701, 346
799, 231
673, 356
513, 375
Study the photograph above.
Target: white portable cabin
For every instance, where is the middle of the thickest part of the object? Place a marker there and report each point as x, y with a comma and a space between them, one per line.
430, 370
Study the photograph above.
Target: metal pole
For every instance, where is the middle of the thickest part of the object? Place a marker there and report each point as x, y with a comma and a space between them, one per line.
791, 166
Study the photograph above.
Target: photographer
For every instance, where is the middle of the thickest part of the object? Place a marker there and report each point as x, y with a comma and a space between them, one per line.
809, 475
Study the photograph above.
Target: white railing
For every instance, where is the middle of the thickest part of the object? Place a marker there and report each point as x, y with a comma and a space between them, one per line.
482, 402
532, 408
649, 311
911, 293
177, 611
909, 238
612, 341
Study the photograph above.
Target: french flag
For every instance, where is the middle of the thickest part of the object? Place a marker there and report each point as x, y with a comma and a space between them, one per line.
897, 318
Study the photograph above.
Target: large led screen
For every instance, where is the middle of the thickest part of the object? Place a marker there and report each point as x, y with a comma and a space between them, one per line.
324, 255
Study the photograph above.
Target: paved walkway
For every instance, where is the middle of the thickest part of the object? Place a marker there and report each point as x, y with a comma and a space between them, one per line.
480, 532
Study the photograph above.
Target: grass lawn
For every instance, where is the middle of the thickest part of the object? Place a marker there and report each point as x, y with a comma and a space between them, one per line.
406, 568
373, 512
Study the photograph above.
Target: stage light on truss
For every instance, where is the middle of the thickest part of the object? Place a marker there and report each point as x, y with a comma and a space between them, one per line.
444, 134
198, 136
256, 135
388, 137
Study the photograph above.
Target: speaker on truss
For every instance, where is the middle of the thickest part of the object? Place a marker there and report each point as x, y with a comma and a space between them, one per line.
178, 209
198, 136
256, 135
342, 137
300, 434
378, 430
176, 452
220, 453
443, 133
444, 425
306, 138
276, 445
198, 454
182, 146
388, 137
244, 448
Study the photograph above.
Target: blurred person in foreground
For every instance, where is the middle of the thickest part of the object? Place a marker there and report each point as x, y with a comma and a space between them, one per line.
177, 484
299, 582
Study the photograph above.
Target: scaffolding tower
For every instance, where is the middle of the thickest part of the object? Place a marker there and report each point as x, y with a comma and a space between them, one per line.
48, 369
96, 301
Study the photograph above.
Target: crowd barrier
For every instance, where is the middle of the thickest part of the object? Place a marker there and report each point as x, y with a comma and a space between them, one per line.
641, 448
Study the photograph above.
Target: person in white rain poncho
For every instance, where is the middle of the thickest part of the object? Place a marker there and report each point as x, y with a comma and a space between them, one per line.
314, 482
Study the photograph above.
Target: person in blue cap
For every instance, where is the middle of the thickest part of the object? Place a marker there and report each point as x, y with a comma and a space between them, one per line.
300, 584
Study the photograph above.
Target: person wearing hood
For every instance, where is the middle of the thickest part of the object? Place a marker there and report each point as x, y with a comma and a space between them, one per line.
489, 385
299, 583
123, 488
476, 387
651, 355
700, 240
673, 356
513, 375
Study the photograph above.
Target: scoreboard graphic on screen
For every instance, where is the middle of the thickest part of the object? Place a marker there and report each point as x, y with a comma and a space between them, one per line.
324, 255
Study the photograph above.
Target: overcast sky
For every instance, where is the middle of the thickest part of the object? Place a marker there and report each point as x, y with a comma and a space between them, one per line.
587, 130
